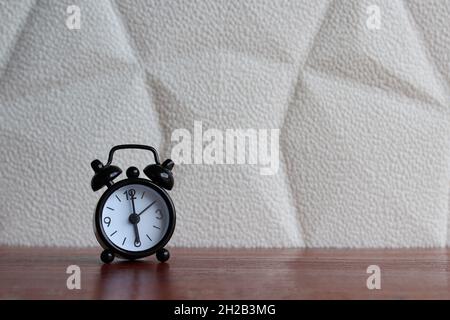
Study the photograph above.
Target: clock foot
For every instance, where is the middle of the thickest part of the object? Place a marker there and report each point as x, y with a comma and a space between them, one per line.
163, 255
107, 256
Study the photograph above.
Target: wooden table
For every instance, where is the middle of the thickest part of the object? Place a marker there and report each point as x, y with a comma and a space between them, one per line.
40, 273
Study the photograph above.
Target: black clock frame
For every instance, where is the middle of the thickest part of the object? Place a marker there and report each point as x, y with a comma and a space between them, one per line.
117, 251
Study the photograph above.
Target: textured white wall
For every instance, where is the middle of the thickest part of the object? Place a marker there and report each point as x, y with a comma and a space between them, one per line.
363, 114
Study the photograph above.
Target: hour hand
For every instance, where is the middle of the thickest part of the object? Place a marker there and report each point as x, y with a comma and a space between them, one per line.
146, 208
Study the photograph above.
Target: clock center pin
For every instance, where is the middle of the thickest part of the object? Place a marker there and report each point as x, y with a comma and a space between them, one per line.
134, 218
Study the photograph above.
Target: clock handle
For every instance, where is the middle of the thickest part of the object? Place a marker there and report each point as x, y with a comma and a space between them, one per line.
132, 146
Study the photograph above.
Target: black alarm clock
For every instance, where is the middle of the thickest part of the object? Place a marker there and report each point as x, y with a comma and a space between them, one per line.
135, 217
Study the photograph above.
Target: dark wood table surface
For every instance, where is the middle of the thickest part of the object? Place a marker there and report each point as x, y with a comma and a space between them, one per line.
40, 273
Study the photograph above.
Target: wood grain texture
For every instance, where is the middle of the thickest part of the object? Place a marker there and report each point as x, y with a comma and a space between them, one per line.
40, 273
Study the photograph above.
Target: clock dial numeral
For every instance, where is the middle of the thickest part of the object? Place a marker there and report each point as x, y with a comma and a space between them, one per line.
130, 194
110, 208
159, 214
124, 239
157, 227
149, 237
118, 198
113, 233
142, 197
107, 221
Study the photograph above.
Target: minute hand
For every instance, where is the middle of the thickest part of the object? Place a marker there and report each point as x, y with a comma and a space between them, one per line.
146, 208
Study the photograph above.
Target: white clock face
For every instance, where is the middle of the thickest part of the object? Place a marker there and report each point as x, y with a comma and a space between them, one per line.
135, 217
